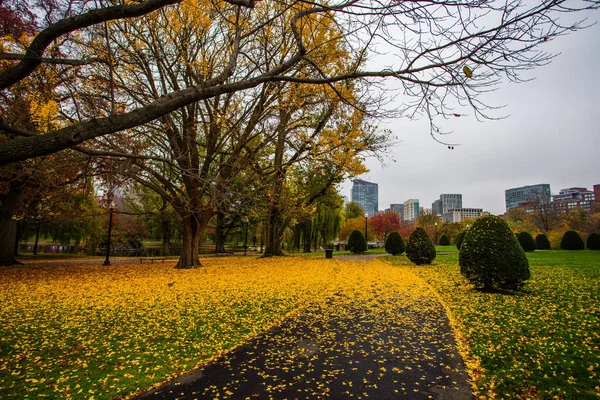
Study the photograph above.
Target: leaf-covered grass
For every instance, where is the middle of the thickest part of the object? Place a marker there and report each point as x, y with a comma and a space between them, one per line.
82, 331
543, 342
87, 331
78, 331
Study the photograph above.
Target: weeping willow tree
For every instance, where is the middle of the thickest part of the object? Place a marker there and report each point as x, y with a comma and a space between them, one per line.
321, 226
327, 223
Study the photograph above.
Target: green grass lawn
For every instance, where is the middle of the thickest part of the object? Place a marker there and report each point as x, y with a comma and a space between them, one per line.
380, 250
446, 249
543, 342
321, 253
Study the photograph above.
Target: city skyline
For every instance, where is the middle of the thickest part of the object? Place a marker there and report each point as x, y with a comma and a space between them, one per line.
384, 205
551, 135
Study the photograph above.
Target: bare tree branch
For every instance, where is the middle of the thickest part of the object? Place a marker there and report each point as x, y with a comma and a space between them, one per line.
33, 56
56, 61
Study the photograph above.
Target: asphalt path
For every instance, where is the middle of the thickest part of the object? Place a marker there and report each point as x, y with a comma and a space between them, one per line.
381, 349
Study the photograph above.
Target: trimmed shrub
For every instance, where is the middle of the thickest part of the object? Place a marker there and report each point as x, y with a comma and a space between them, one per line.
542, 242
394, 244
526, 241
420, 248
459, 239
357, 242
572, 241
490, 255
444, 240
593, 241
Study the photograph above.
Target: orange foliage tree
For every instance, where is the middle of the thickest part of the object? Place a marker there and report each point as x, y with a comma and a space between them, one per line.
384, 223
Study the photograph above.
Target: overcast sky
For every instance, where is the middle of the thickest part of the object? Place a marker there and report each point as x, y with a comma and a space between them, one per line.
552, 135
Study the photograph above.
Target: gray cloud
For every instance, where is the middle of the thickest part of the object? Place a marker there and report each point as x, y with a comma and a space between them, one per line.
552, 135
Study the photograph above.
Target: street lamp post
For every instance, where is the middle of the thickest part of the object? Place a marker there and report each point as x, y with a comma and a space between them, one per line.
107, 261
366, 226
245, 234
37, 235
436, 238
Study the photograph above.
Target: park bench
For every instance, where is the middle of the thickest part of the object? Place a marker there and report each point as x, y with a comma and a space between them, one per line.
152, 259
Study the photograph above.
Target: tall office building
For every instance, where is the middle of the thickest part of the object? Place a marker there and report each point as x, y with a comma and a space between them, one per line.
527, 194
398, 209
436, 207
366, 194
411, 209
450, 202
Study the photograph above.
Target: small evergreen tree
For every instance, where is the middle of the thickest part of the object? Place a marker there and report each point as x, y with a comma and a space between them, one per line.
357, 242
593, 241
444, 240
572, 241
459, 239
526, 241
420, 248
490, 255
394, 244
542, 242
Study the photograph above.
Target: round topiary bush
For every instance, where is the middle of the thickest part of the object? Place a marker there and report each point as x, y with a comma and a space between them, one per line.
420, 248
572, 241
593, 241
394, 244
459, 239
490, 255
542, 242
444, 240
526, 241
357, 242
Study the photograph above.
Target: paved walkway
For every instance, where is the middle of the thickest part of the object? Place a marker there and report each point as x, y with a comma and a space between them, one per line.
382, 348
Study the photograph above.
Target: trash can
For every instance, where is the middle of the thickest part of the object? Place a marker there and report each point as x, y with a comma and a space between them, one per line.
328, 253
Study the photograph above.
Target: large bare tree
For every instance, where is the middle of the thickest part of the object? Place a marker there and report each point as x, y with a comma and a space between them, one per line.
444, 50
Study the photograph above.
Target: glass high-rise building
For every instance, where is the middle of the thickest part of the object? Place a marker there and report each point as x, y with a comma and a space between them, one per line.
450, 202
366, 194
398, 209
436, 207
539, 193
411, 209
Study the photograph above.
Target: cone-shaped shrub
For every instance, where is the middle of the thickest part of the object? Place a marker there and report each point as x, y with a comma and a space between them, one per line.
357, 242
420, 248
459, 239
444, 241
593, 241
490, 255
394, 244
526, 241
572, 241
542, 242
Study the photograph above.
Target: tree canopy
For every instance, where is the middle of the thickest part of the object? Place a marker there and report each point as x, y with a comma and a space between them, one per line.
444, 50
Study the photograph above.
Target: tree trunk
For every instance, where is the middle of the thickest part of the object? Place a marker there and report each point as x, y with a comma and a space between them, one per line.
18, 237
12, 204
262, 238
166, 237
273, 237
192, 230
220, 233
307, 237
